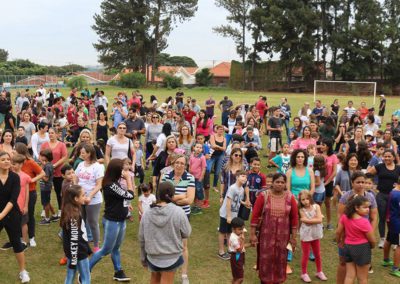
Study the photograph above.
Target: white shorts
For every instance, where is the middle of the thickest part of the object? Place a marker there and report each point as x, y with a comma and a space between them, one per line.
275, 144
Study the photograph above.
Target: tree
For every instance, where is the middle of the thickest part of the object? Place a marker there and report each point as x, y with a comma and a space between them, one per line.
133, 80
164, 59
239, 14
204, 77
3, 55
78, 82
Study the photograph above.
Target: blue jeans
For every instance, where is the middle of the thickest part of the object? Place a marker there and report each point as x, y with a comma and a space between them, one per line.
228, 138
286, 122
83, 269
217, 160
114, 233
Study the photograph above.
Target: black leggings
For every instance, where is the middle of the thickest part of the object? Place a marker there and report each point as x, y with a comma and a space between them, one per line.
139, 170
31, 213
57, 181
382, 201
12, 224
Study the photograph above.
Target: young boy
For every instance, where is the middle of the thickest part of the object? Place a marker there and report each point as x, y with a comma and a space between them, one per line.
377, 158
46, 183
197, 167
229, 210
256, 180
21, 136
139, 163
282, 161
236, 247
274, 126
206, 181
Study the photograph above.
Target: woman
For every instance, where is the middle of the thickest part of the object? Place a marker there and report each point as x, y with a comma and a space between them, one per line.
85, 137
297, 127
29, 127
60, 157
342, 180
275, 215
160, 142
115, 212
335, 109
163, 223
339, 136
171, 144
305, 140
388, 173
39, 138
331, 162
7, 142
120, 147
253, 123
179, 123
358, 188
10, 215
203, 125
153, 131
102, 127
188, 113
218, 145
363, 155
327, 130
354, 122
169, 117
90, 175
371, 125
184, 196
229, 126
388, 139
351, 145
81, 113
185, 140
300, 176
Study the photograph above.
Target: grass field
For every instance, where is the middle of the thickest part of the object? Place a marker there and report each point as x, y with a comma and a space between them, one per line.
204, 266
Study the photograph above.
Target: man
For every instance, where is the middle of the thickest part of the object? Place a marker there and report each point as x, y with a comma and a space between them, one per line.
41, 90
317, 111
382, 106
134, 125
274, 126
371, 111
194, 106
20, 102
135, 100
225, 106
285, 114
252, 143
350, 109
210, 104
261, 106
179, 99
102, 100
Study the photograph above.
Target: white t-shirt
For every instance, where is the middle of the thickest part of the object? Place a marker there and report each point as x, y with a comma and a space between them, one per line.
118, 150
321, 187
235, 194
62, 121
160, 143
147, 201
234, 243
37, 142
87, 179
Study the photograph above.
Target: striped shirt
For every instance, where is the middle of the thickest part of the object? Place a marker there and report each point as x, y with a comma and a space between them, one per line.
186, 181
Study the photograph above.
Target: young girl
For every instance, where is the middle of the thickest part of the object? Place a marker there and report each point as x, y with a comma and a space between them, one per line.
146, 198
46, 183
139, 163
76, 247
319, 173
310, 234
123, 183
356, 230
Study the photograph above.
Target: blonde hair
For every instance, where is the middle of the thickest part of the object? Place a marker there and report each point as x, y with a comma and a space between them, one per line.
88, 132
309, 196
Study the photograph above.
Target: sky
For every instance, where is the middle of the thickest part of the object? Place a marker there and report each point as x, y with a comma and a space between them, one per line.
58, 32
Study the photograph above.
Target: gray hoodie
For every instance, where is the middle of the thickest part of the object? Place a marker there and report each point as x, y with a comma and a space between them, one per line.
160, 234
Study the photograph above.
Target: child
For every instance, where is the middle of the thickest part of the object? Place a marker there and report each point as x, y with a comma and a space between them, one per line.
292, 138
236, 247
310, 234
369, 183
75, 243
256, 180
146, 198
316, 137
347, 137
46, 183
229, 210
21, 136
197, 167
92, 115
63, 122
123, 182
311, 150
69, 138
239, 128
139, 160
206, 182
359, 239
319, 173
377, 157
282, 161
379, 136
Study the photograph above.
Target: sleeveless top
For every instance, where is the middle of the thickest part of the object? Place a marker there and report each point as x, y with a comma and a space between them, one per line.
300, 183
220, 144
102, 132
312, 232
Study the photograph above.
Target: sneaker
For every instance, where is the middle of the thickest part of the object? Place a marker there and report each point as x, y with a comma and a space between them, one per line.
43, 214
32, 242
54, 218
381, 243
395, 273
371, 270
44, 222
386, 263
121, 277
63, 261
196, 211
185, 279
321, 276
24, 246
305, 278
24, 276
288, 269
59, 214
6, 246
329, 227
60, 235
206, 204
224, 256
395, 247
311, 257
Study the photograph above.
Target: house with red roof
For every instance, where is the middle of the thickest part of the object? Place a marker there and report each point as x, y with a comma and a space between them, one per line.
222, 73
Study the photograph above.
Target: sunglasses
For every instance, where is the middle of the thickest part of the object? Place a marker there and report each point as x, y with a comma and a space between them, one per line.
237, 155
155, 116
121, 127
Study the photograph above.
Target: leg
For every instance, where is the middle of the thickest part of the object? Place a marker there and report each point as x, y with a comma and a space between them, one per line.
305, 252
362, 274
141, 174
31, 213
381, 200
185, 257
92, 217
213, 161
167, 277
350, 273
156, 278
341, 271
218, 168
84, 271
115, 253
25, 233
328, 202
70, 277
396, 258
57, 181
13, 229
386, 250
221, 239
316, 248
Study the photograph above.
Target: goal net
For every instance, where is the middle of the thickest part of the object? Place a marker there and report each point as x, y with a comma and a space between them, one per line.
346, 88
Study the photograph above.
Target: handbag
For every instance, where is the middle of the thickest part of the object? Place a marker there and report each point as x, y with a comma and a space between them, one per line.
244, 212
129, 150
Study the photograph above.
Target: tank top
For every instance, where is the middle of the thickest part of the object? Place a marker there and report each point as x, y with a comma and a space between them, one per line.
300, 183
220, 144
102, 132
312, 232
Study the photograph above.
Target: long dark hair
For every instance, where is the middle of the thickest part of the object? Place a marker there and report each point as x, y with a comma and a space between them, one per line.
363, 153
294, 156
12, 136
165, 192
205, 119
166, 129
320, 165
71, 209
329, 143
346, 162
113, 172
351, 206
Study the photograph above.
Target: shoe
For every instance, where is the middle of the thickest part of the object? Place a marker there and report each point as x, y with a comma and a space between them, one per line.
216, 189
305, 278
54, 218
395, 247
60, 235
371, 270
185, 279
24, 246
79, 279
63, 261
386, 263
196, 211
206, 204
43, 214
95, 249
224, 256
288, 270
321, 276
59, 214
6, 246
121, 277
24, 276
329, 227
44, 222
395, 273
32, 242
381, 243
311, 257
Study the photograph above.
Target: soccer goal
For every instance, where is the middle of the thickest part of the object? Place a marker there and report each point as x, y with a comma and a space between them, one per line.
352, 88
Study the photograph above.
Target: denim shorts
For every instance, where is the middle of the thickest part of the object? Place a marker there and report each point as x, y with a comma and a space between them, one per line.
172, 267
45, 197
199, 189
319, 197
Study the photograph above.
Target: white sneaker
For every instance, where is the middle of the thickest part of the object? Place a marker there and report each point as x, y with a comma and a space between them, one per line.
185, 279
381, 243
59, 214
394, 247
32, 242
24, 276
43, 214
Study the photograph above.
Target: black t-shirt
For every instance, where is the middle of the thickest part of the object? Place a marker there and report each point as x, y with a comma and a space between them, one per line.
386, 178
75, 242
7, 125
274, 122
115, 199
382, 104
9, 192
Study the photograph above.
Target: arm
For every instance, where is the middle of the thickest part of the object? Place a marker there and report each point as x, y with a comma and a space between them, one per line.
96, 188
316, 220
340, 234
25, 209
39, 176
332, 176
185, 199
107, 154
289, 180
64, 158
140, 207
317, 180
373, 218
34, 141
371, 170
371, 238
228, 210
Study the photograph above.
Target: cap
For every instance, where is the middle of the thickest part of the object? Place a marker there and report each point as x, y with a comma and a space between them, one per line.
369, 133
381, 95
371, 109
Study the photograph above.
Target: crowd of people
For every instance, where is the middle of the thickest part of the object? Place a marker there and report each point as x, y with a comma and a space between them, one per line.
94, 153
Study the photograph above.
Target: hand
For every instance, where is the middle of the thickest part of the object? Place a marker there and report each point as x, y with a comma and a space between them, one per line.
221, 200
293, 242
247, 204
130, 208
253, 240
24, 210
87, 199
144, 264
1, 216
228, 220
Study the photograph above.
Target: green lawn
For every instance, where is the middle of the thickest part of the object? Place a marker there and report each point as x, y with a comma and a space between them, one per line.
205, 267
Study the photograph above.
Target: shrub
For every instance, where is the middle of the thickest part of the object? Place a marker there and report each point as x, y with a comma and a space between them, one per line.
133, 80
172, 82
204, 77
77, 82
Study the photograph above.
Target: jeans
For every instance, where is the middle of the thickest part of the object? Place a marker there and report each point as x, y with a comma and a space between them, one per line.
228, 138
286, 122
83, 269
217, 161
382, 201
114, 233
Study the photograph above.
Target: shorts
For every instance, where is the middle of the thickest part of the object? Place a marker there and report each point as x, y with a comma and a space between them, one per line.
381, 113
275, 144
171, 268
199, 189
329, 190
237, 265
359, 254
393, 238
45, 197
224, 227
319, 197
24, 219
